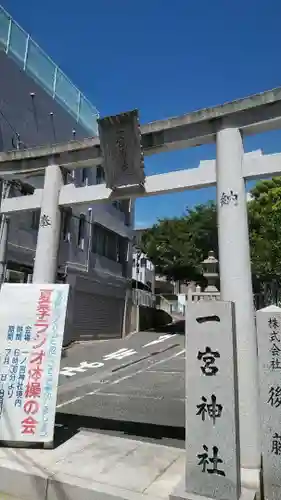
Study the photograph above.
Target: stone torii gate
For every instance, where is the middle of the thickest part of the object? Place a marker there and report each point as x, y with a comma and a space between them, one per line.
226, 125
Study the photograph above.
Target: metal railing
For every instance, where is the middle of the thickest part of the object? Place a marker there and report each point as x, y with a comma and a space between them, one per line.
32, 59
143, 298
198, 296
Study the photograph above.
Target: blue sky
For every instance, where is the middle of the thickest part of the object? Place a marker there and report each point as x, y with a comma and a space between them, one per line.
164, 58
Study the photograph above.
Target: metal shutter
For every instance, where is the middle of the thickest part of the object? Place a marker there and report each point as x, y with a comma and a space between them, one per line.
97, 316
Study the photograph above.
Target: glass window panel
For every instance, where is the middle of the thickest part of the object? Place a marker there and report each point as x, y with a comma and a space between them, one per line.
40, 66
100, 175
81, 230
4, 28
35, 219
67, 93
17, 44
88, 116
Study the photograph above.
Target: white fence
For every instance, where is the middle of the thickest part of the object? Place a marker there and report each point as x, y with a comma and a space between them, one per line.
143, 298
198, 296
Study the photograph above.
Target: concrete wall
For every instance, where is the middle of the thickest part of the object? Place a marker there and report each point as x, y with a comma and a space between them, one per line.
149, 318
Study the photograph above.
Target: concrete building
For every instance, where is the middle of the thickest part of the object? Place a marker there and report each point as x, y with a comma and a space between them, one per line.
39, 105
143, 271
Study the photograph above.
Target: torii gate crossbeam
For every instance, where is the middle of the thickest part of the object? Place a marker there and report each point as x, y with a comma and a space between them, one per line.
255, 166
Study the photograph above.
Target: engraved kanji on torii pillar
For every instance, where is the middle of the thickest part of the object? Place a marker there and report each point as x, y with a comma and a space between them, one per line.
236, 286
45, 265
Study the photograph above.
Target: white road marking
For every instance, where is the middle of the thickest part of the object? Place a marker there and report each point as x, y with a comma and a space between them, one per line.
73, 400
180, 353
69, 371
120, 354
162, 338
165, 372
126, 377
140, 396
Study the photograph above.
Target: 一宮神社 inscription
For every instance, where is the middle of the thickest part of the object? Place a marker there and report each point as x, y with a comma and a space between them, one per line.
212, 440
269, 348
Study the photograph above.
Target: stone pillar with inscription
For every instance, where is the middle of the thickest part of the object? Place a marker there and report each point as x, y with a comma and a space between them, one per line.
269, 347
212, 417
45, 265
236, 286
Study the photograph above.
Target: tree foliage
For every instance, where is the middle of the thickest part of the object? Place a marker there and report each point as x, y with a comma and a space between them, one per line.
177, 246
265, 230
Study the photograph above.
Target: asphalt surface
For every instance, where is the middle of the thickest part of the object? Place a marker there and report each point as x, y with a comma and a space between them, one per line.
138, 383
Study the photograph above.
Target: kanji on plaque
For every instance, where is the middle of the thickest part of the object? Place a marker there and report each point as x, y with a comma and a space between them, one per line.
275, 342
276, 444
208, 358
212, 462
213, 410
269, 358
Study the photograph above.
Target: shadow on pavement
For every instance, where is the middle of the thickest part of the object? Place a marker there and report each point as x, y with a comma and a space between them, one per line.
73, 423
176, 327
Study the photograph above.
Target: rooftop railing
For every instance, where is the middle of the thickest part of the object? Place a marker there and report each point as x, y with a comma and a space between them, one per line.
32, 59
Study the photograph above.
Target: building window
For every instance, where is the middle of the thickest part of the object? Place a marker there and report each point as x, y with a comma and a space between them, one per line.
122, 250
109, 244
100, 177
35, 219
66, 224
143, 262
81, 231
85, 179
117, 204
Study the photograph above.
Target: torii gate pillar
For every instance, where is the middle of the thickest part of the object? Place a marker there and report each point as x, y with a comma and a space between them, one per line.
45, 265
236, 286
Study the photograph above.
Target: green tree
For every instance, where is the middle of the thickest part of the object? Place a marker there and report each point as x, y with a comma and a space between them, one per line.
177, 246
265, 231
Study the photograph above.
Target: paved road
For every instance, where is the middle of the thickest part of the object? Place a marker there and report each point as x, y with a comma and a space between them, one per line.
139, 379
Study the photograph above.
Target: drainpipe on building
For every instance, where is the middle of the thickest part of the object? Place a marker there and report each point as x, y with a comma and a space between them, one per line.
4, 230
138, 256
90, 212
3, 247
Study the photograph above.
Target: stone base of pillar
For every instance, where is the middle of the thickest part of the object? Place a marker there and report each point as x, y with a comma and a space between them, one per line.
180, 493
250, 478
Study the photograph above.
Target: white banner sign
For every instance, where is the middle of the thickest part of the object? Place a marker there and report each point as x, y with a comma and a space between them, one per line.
32, 319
